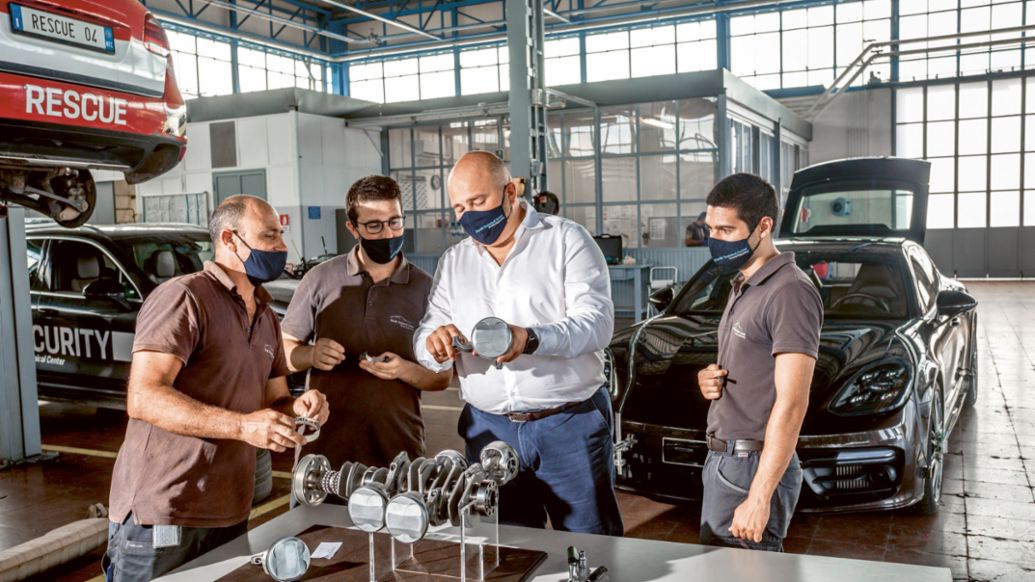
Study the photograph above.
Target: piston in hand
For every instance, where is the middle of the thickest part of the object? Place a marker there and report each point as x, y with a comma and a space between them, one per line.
490, 339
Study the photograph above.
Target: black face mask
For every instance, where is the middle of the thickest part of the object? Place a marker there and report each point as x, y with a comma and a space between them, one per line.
383, 250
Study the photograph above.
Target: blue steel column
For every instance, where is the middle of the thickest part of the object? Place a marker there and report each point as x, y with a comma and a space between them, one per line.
527, 95
723, 135
19, 407
235, 73
722, 41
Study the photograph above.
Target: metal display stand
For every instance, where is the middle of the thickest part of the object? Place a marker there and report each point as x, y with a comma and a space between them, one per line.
412, 500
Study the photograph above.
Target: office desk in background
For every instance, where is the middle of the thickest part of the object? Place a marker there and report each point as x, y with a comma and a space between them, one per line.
629, 289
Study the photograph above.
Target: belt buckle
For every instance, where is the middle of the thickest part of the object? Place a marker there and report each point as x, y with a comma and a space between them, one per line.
511, 418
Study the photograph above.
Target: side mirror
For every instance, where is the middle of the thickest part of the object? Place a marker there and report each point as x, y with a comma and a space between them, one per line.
661, 298
105, 289
954, 303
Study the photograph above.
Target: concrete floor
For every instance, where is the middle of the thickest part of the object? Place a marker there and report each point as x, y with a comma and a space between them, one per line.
984, 531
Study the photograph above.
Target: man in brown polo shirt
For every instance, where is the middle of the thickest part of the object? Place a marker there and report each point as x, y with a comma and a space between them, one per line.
352, 320
206, 387
759, 388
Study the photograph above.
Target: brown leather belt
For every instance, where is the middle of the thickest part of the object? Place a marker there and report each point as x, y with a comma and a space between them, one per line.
737, 446
540, 414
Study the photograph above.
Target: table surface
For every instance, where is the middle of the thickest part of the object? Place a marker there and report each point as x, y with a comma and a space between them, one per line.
627, 559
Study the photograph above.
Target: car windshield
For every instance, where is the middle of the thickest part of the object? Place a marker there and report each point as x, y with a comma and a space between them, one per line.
878, 207
164, 256
853, 285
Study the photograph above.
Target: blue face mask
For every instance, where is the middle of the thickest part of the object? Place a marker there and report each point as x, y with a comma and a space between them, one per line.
731, 254
263, 266
485, 226
383, 250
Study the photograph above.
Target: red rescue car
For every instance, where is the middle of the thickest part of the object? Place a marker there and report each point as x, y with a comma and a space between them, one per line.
84, 84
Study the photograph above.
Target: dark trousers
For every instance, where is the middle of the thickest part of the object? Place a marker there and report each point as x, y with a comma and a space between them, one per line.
567, 467
727, 478
131, 554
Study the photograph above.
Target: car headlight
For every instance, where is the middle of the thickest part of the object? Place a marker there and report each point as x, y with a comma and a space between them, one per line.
874, 390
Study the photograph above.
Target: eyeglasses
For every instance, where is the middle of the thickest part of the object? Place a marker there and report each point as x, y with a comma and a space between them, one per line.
376, 226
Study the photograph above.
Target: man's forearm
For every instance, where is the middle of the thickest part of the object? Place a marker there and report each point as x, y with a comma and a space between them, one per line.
781, 438
175, 412
576, 335
299, 356
422, 378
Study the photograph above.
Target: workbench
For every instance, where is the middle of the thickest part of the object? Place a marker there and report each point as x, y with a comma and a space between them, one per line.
627, 559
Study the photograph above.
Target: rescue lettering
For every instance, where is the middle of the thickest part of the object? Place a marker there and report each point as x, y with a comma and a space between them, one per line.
72, 342
71, 104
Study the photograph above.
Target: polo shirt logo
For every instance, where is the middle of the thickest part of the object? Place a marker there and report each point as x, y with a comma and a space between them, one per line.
402, 322
739, 331
269, 351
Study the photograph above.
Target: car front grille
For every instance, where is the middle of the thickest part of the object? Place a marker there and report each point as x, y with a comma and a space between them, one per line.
850, 476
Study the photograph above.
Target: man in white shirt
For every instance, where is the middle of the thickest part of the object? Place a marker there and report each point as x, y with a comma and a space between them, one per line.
547, 279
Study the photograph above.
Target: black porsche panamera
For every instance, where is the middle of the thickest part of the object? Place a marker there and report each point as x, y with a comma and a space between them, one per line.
897, 359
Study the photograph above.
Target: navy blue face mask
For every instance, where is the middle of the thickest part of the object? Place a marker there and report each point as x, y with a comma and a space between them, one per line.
263, 266
485, 226
731, 254
383, 250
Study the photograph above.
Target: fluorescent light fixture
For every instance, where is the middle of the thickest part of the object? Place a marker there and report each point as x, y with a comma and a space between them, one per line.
657, 123
553, 14
387, 21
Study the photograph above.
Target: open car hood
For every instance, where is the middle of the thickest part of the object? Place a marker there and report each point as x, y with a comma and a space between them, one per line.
876, 197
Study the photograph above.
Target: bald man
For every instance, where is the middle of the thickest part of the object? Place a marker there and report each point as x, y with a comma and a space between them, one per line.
206, 386
545, 396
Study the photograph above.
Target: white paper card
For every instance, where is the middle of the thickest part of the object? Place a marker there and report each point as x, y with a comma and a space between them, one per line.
326, 550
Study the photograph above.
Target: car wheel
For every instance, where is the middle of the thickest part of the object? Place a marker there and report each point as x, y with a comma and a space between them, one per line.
936, 458
263, 476
970, 399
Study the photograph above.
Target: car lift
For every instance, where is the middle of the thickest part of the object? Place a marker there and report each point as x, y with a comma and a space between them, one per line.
19, 407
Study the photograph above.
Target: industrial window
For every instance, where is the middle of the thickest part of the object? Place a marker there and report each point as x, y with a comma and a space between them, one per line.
978, 138
366, 81
563, 63
419, 159
484, 70
406, 79
808, 46
656, 163
607, 56
928, 19
204, 67
695, 46
652, 51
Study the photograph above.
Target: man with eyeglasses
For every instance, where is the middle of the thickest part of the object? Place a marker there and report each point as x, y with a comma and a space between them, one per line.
351, 322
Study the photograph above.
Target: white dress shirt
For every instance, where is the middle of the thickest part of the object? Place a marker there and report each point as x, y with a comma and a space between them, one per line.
554, 281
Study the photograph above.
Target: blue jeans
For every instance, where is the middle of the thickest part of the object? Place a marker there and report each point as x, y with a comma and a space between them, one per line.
567, 467
131, 554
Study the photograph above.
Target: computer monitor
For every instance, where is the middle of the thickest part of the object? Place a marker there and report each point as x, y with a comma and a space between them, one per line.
611, 247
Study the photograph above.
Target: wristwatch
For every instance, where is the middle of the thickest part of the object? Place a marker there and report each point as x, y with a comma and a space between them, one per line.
532, 343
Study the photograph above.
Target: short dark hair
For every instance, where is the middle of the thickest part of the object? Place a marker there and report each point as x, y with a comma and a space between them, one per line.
752, 197
227, 216
370, 188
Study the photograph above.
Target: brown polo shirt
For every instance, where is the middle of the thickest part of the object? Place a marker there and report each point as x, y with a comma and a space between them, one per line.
778, 310
167, 478
373, 419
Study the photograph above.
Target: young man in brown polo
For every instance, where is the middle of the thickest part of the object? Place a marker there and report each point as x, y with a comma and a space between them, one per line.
351, 322
206, 387
759, 387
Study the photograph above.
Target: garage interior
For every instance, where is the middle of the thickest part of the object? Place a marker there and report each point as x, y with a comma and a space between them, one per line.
633, 110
